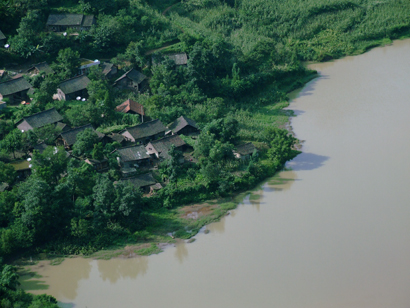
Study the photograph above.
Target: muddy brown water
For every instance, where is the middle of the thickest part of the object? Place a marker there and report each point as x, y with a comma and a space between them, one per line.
334, 232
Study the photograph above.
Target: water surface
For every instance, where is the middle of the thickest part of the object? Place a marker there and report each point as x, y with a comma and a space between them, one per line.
334, 233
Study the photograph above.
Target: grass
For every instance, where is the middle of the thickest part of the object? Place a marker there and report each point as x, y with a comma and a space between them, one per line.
153, 249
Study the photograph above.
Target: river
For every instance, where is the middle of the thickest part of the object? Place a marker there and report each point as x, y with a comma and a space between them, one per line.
333, 232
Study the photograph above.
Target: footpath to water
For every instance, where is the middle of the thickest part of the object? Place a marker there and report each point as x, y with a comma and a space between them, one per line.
333, 232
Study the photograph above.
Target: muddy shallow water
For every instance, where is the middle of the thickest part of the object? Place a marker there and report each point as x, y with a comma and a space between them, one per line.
335, 232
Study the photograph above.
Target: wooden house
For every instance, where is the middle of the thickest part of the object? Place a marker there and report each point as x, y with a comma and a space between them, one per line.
160, 148
135, 156
131, 80
131, 107
99, 165
15, 90
40, 119
143, 182
72, 88
69, 137
244, 151
109, 70
40, 67
2, 39
183, 126
63, 22
145, 132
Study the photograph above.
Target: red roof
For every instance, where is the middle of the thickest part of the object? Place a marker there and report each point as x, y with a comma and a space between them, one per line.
130, 105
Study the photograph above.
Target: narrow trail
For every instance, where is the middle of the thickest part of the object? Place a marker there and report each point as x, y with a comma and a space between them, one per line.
168, 8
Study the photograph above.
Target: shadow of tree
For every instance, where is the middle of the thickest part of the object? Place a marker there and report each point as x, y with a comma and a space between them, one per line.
307, 161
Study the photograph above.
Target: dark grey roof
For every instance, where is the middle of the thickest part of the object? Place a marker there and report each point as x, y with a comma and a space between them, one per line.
88, 21
178, 58
116, 137
14, 86
40, 147
2, 36
65, 20
245, 149
74, 84
43, 118
146, 129
180, 123
162, 146
106, 67
134, 75
70, 136
142, 180
43, 66
132, 153
70, 20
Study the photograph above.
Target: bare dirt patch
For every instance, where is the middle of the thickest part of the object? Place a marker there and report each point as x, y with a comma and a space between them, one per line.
197, 211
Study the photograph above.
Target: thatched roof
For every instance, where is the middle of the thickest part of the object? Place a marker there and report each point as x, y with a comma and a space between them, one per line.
75, 84
130, 105
2, 36
132, 153
245, 149
43, 118
180, 123
146, 129
14, 86
134, 75
43, 66
70, 20
162, 146
70, 136
142, 180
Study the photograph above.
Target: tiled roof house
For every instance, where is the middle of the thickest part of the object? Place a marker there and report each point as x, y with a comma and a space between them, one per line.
71, 88
41, 119
132, 80
43, 66
130, 106
145, 132
69, 137
183, 126
162, 146
62, 22
15, 90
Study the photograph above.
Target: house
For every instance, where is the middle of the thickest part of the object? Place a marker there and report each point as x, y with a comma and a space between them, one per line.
109, 70
40, 119
85, 65
99, 165
143, 182
2, 39
129, 106
15, 90
161, 147
183, 126
40, 147
40, 67
23, 169
131, 80
62, 22
114, 137
133, 156
178, 58
145, 132
244, 151
69, 137
72, 88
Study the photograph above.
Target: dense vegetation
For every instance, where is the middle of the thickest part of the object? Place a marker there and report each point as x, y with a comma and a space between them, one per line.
244, 56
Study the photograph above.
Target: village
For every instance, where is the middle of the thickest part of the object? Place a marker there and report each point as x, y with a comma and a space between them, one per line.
139, 150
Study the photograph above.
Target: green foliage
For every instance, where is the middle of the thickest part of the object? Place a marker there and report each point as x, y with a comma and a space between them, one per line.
85, 142
68, 63
7, 173
51, 164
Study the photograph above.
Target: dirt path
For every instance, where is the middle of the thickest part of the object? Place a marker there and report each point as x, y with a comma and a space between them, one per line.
168, 8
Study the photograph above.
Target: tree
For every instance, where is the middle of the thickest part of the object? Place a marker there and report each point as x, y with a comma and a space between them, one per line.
85, 142
13, 142
7, 173
9, 279
281, 145
173, 164
204, 143
51, 164
221, 151
68, 63
47, 133
98, 151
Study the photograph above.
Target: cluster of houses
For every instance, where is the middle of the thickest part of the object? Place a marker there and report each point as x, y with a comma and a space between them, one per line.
143, 146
